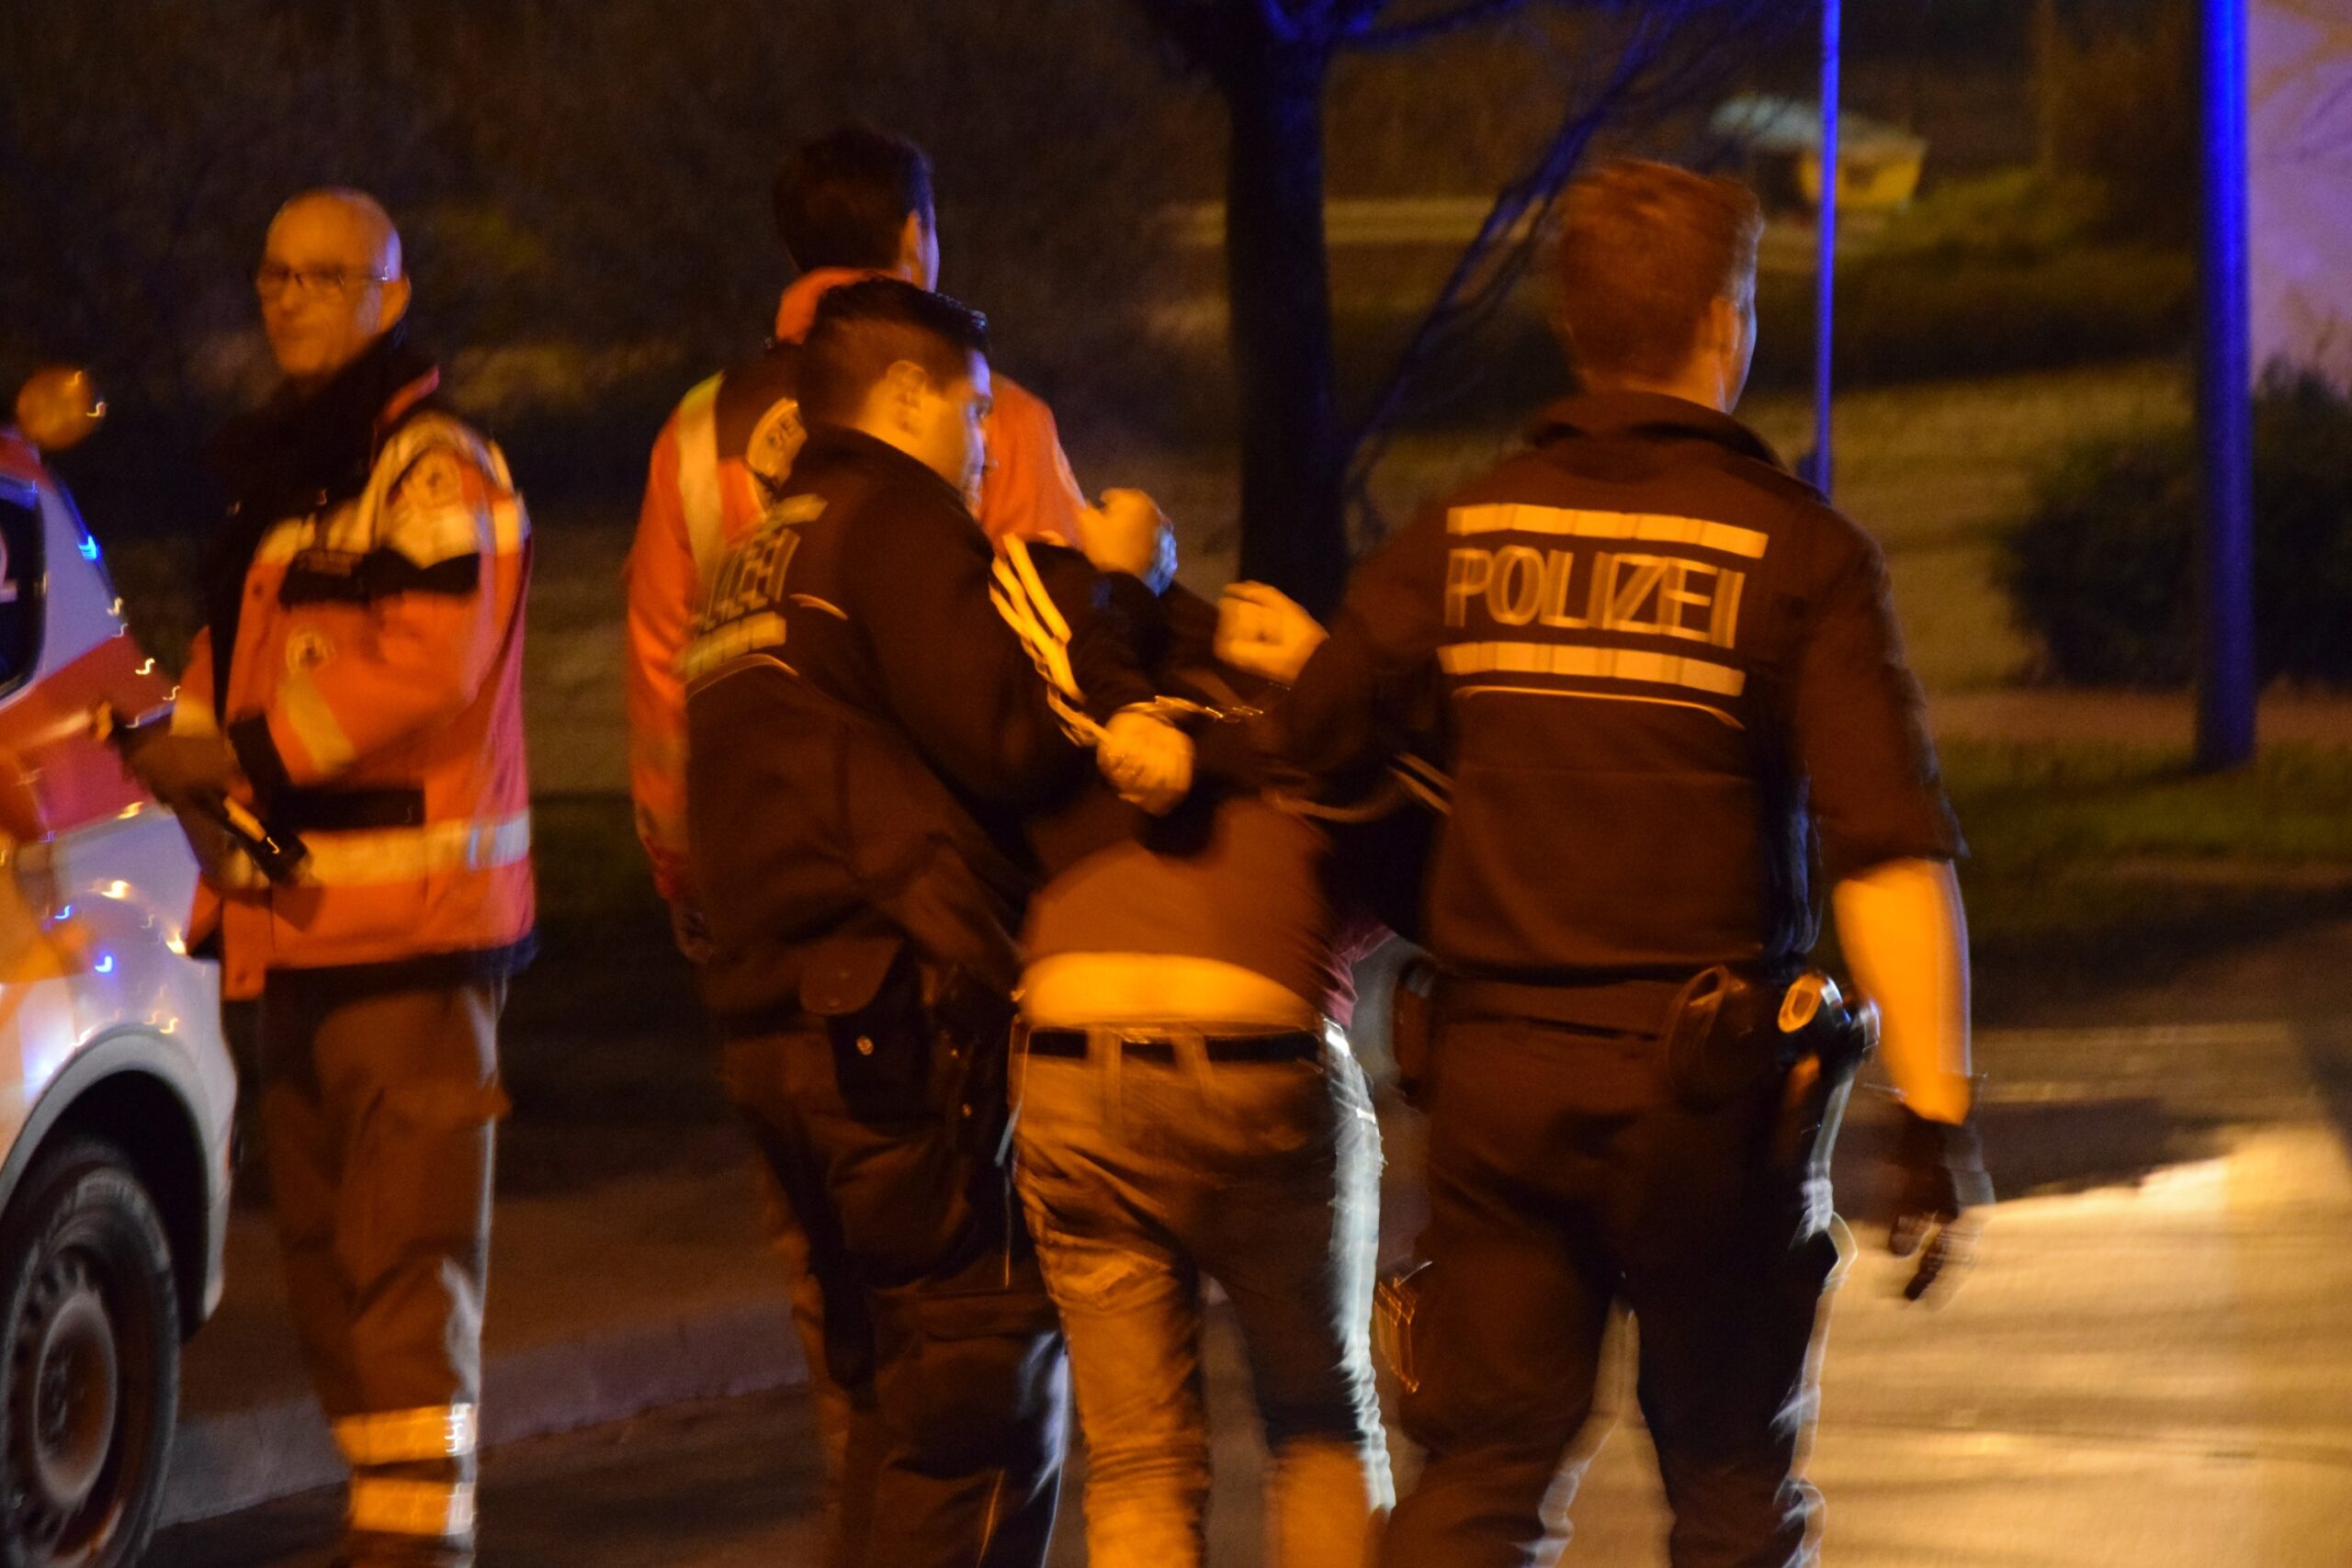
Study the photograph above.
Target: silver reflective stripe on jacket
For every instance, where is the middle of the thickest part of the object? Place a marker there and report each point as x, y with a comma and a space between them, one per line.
698, 493
375, 856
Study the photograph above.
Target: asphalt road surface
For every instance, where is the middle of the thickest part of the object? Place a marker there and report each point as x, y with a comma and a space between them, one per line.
2151, 1366
709, 1486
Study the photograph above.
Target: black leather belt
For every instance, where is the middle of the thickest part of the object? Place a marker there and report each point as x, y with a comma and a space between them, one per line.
1296, 1045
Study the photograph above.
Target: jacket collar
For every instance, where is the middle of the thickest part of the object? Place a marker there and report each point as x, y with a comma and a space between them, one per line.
1647, 416
294, 455
796, 312
839, 443
298, 453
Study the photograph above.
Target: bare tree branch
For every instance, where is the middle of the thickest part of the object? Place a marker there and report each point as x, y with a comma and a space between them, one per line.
1356, 16
1420, 30
1494, 263
1282, 23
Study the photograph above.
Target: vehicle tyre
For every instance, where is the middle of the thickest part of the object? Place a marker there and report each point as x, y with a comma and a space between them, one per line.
89, 1361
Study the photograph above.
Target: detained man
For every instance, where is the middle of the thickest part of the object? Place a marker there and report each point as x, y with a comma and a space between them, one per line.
1189, 1109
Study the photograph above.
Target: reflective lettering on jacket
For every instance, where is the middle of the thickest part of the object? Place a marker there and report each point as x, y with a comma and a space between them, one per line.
742, 608
1592, 599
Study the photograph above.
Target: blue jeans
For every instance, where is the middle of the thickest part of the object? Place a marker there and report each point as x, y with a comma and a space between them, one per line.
1141, 1176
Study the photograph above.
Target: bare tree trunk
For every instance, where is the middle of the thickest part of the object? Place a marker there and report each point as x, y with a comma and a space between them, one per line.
1294, 531
2049, 39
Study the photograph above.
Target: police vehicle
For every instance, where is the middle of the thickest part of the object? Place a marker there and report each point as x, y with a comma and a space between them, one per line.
117, 1091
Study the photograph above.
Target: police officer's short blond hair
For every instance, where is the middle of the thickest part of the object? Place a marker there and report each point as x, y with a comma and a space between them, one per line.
1645, 249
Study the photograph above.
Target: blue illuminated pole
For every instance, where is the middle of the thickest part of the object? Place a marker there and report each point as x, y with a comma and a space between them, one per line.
1825, 318
2225, 673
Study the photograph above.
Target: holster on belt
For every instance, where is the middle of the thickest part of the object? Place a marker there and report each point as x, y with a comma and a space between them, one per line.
912, 1036
973, 1021
1413, 1026
1728, 1032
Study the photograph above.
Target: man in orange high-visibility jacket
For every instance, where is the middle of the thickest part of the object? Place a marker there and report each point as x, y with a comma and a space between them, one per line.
358, 685
854, 203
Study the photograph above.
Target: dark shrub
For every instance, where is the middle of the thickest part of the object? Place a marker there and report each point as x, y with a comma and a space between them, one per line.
2102, 572
1986, 276
1924, 317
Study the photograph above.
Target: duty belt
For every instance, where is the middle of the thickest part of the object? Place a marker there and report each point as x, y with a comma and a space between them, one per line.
1629, 1005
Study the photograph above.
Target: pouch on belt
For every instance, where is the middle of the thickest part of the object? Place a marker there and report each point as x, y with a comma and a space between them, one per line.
1728, 1033
910, 1038
865, 991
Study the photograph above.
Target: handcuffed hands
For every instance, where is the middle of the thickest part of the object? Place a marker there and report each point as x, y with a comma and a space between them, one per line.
183, 770
1147, 760
1263, 631
1129, 533
1940, 1177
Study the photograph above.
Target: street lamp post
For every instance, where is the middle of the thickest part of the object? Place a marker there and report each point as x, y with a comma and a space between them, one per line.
2225, 672
1824, 321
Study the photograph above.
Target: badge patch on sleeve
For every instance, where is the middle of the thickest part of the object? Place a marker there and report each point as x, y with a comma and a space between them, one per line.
307, 649
775, 443
439, 479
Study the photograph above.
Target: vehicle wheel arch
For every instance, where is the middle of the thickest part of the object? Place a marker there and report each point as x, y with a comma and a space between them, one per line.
128, 1089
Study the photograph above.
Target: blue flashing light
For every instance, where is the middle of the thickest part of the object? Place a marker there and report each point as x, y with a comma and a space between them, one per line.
66, 913
105, 963
89, 548
2227, 679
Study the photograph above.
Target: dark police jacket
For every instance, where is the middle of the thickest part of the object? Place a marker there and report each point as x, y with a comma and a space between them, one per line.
866, 732
1674, 690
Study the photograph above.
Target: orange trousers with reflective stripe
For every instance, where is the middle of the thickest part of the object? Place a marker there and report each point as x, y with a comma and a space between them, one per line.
377, 1111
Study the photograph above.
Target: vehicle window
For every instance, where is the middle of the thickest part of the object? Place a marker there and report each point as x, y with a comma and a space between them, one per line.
21, 581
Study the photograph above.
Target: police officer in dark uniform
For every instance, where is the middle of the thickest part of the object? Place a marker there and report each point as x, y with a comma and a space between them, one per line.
875, 704
1675, 704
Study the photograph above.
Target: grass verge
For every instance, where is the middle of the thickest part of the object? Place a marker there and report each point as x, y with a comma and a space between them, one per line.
2108, 860
2123, 866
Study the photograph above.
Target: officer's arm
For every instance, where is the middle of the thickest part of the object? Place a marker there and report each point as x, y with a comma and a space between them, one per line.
1903, 930
1353, 690
1888, 840
1858, 727
442, 588
661, 583
953, 670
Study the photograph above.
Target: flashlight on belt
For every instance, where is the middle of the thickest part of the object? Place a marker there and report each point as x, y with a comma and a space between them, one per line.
279, 856
1825, 1037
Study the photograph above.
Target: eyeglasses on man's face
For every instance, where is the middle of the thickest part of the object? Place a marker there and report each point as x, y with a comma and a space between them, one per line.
312, 282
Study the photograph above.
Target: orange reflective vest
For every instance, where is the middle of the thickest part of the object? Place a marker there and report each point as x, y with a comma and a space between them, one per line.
704, 493
375, 697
